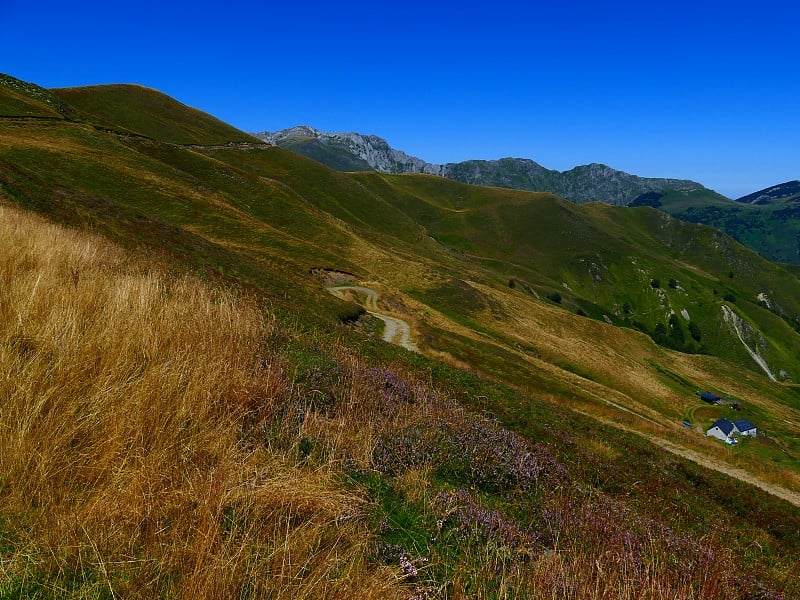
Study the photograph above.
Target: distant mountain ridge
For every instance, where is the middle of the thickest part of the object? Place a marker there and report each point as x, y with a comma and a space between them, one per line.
789, 190
586, 183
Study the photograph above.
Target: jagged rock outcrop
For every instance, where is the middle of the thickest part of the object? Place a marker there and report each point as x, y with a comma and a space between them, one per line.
586, 183
370, 149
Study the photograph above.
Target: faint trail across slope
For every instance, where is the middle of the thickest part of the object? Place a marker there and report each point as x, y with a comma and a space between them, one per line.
709, 462
395, 331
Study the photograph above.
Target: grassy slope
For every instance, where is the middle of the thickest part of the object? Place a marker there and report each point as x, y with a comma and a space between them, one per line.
601, 259
150, 113
174, 463
771, 230
269, 217
265, 217
22, 99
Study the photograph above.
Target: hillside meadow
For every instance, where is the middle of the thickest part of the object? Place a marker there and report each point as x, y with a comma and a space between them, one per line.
187, 413
167, 437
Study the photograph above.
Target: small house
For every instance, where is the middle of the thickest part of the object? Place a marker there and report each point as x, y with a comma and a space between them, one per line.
722, 429
710, 398
745, 427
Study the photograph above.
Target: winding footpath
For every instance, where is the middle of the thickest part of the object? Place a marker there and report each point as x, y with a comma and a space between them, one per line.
395, 331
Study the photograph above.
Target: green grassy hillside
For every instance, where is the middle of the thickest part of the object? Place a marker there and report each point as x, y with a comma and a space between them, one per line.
22, 99
150, 113
635, 267
537, 321
771, 229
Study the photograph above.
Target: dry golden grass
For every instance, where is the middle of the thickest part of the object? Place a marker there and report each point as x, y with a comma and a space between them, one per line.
126, 465
155, 444
620, 361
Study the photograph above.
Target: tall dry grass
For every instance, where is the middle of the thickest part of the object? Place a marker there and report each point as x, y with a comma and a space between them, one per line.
125, 467
158, 440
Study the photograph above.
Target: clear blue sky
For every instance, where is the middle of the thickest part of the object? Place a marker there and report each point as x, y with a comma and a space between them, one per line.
703, 90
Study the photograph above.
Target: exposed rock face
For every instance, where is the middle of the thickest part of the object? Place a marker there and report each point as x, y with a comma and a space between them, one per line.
744, 331
354, 151
371, 149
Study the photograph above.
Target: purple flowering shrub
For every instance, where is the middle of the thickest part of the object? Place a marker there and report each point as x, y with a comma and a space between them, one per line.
621, 541
473, 451
321, 385
462, 514
416, 446
496, 459
390, 387
395, 554
327, 385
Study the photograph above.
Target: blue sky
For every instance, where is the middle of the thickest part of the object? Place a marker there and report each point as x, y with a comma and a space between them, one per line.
703, 90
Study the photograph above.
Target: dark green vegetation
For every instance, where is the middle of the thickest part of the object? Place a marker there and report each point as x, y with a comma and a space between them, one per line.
769, 222
552, 371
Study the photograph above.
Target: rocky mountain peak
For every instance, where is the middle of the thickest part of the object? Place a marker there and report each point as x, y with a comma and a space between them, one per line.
584, 183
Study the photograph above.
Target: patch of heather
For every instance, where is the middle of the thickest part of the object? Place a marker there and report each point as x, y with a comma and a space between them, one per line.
390, 387
394, 554
321, 384
418, 445
496, 459
473, 450
460, 513
630, 545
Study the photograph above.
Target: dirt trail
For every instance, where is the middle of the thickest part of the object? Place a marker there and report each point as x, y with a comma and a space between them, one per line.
395, 331
740, 474
710, 462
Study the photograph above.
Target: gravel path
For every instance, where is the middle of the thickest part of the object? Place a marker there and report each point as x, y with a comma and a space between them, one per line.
709, 462
395, 330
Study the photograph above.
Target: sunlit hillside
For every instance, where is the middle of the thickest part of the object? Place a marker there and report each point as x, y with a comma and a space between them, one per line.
188, 412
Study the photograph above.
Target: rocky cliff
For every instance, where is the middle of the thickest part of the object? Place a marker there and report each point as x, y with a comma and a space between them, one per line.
357, 152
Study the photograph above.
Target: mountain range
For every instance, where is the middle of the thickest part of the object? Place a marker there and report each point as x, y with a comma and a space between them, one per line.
198, 401
768, 221
587, 183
